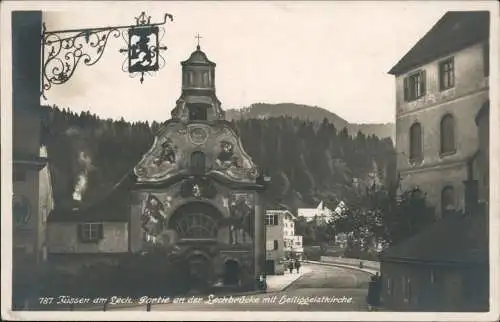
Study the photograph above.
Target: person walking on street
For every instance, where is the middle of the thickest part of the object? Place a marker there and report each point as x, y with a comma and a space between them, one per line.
290, 267
297, 266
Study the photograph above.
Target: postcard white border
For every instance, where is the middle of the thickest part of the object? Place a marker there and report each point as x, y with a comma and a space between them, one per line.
6, 188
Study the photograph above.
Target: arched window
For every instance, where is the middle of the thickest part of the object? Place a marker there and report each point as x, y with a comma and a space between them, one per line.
206, 81
447, 134
198, 163
447, 200
416, 142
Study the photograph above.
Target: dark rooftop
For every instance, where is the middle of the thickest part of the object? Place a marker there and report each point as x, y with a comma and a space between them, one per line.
454, 31
198, 57
454, 239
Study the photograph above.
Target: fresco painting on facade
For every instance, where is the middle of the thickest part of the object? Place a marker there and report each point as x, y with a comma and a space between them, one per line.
241, 218
154, 218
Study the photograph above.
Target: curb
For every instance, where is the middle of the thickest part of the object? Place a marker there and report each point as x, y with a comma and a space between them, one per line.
344, 266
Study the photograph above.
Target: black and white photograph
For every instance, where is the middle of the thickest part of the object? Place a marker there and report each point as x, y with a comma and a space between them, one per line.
250, 160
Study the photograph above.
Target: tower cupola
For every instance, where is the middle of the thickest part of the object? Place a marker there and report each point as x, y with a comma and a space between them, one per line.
198, 101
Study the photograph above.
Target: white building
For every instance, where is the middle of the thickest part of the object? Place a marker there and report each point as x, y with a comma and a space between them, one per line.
321, 212
281, 241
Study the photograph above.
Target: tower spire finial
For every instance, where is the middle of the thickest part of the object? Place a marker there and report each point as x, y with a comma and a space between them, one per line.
198, 38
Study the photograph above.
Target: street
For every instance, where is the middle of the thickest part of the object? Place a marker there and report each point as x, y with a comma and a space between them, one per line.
332, 288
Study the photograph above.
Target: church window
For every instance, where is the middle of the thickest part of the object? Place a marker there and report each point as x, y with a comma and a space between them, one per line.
198, 112
416, 142
197, 225
190, 78
198, 163
447, 134
447, 200
90, 232
206, 81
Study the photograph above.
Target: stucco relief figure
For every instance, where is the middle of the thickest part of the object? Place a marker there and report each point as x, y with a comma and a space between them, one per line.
241, 221
167, 153
226, 156
153, 218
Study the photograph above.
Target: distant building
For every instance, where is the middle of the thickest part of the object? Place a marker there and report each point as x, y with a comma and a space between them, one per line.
446, 266
441, 84
281, 241
321, 213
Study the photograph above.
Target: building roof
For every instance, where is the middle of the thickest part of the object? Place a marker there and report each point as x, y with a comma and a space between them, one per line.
454, 31
453, 239
198, 57
112, 206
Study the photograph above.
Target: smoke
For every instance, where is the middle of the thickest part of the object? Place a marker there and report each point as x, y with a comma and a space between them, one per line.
85, 163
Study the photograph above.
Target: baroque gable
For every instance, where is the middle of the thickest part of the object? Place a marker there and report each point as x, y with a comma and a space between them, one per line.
173, 151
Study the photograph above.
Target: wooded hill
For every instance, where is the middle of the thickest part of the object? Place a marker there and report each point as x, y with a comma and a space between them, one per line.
308, 161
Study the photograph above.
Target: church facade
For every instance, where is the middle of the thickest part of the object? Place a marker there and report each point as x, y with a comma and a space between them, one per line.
197, 189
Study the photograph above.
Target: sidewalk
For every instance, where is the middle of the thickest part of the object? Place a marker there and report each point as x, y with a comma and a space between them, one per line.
366, 270
278, 283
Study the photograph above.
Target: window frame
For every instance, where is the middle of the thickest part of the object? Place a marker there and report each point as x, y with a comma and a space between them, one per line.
275, 244
409, 87
413, 158
453, 149
85, 236
271, 220
450, 73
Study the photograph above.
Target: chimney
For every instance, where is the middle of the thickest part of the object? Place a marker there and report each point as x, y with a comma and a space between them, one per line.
471, 196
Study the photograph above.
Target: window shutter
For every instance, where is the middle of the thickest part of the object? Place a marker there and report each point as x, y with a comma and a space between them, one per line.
422, 82
405, 85
275, 244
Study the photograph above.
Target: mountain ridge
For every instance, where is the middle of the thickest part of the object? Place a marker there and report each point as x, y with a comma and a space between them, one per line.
311, 113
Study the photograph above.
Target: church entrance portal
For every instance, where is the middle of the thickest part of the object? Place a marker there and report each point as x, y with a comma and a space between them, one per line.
200, 271
231, 273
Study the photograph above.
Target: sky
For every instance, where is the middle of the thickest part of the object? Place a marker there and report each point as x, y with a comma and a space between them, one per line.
331, 54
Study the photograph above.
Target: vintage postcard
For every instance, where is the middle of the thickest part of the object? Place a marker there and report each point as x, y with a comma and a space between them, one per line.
233, 160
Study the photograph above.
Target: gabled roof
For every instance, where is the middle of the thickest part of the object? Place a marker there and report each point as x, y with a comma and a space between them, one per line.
454, 31
454, 239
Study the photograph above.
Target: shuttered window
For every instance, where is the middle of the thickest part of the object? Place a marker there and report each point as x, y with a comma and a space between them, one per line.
447, 134
416, 148
414, 86
446, 74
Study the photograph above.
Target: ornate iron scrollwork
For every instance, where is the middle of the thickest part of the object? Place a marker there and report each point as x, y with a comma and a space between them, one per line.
63, 50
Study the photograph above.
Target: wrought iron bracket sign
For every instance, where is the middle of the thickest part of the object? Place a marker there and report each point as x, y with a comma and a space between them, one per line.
63, 50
